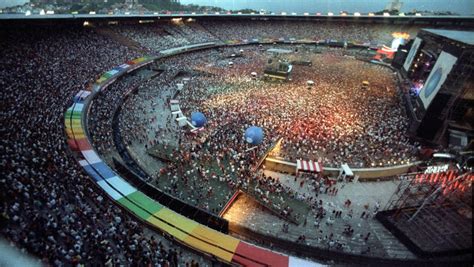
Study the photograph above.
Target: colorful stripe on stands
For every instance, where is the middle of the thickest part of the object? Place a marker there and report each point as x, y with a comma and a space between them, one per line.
191, 233
111, 73
73, 122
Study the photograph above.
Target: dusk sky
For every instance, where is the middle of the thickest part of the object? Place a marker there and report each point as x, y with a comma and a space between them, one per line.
463, 7
8, 3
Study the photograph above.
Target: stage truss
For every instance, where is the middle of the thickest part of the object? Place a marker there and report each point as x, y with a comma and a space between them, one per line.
431, 211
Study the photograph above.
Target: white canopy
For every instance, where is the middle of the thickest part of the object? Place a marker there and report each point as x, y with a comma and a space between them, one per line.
347, 170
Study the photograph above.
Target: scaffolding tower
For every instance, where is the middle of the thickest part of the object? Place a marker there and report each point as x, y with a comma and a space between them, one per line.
431, 211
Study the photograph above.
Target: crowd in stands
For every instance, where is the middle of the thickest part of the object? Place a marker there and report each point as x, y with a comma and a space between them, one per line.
155, 37
50, 207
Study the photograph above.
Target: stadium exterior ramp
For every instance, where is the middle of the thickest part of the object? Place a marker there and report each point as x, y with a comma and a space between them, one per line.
186, 231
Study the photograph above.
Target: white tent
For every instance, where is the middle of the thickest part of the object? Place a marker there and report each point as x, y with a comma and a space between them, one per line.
346, 170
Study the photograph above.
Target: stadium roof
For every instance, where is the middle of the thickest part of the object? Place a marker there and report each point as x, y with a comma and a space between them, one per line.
466, 37
20, 16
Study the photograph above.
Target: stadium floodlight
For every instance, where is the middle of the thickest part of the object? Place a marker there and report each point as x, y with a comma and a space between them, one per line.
386, 14
418, 14
330, 14
306, 13
371, 14
357, 14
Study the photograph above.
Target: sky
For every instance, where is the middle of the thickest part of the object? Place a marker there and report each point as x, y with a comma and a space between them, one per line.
8, 3
463, 7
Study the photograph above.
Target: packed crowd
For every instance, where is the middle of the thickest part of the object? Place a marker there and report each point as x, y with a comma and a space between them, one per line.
155, 37
50, 207
335, 121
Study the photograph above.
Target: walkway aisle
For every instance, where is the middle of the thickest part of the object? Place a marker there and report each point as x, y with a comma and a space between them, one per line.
317, 232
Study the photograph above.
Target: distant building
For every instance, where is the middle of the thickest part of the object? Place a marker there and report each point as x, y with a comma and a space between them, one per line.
395, 5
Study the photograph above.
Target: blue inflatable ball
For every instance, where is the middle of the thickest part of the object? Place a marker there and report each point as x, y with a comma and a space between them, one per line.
198, 119
254, 135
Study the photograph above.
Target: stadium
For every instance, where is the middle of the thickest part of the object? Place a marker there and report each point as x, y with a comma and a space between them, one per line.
236, 139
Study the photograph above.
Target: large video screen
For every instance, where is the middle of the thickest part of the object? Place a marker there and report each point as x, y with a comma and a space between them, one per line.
412, 54
437, 77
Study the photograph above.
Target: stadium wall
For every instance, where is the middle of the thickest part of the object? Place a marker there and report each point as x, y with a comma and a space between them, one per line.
366, 174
